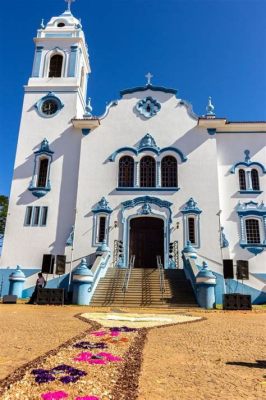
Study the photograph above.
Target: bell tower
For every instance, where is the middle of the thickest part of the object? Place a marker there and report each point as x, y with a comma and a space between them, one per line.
44, 186
61, 60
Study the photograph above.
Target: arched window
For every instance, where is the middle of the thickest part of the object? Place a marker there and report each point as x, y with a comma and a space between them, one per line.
147, 172
242, 179
255, 179
43, 170
169, 172
252, 231
55, 70
126, 172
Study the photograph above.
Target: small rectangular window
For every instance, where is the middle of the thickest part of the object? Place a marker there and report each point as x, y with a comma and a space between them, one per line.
101, 230
28, 216
44, 216
36, 216
191, 230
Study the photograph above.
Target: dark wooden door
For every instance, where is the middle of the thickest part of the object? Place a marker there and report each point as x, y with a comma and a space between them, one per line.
146, 241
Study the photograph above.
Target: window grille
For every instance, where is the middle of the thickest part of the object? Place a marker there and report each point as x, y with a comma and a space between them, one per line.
169, 171
101, 232
56, 63
191, 230
147, 172
255, 179
126, 172
252, 231
43, 169
242, 179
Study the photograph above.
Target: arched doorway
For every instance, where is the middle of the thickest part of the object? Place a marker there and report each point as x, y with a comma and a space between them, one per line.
146, 241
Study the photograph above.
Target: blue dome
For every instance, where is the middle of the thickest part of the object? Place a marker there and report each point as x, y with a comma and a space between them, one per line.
82, 269
17, 275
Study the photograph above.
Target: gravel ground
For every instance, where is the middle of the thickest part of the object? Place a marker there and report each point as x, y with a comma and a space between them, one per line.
181, 362
189, 361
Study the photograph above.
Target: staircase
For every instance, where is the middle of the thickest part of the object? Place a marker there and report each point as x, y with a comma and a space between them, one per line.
144, 289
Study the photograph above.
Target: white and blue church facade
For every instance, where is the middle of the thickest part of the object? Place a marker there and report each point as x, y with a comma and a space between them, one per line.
147, 178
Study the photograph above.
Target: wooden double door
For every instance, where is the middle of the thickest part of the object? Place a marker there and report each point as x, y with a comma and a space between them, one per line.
146, 241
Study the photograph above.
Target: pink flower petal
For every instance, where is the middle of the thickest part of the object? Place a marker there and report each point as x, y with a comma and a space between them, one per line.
84, 356
54, 395
98, 333
115, 333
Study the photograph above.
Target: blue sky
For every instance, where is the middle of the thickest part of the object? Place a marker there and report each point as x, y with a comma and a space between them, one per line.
200, 47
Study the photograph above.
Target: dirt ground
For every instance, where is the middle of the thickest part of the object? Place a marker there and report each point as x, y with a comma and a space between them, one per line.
181, 362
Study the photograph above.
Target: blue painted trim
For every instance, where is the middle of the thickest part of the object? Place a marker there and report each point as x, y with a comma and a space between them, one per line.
85, 131
147, 143
102, 207
148, 87
153, 105
146, 199
39, 192
251, 208
147, 189
191, 207
246, 164
37, 62
72, 62
49, 96
253, 247
43, 150
250, 191
211, 131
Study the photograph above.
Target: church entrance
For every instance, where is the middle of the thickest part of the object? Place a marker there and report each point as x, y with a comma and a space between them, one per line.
146, 241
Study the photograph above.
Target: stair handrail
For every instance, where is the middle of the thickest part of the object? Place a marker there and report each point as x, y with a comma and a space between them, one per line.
161, 274
128, 273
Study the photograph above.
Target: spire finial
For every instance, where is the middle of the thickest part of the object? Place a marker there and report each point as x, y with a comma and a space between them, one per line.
210, 108
149, 76
88, 109
69, 4
42, 24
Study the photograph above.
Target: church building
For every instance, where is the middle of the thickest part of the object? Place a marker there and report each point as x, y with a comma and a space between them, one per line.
149, 188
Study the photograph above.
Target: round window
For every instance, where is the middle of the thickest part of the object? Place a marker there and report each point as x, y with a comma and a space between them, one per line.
49, 107
61, 24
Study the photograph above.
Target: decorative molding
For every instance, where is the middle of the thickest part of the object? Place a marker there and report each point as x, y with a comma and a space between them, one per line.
247, 163
148, 87
211, 131
148, 107
147, 189
251, 208
191, 207
146, 199
253, 248
189, 108
113, 103
147, 143
145, 209
102, 207
46, 151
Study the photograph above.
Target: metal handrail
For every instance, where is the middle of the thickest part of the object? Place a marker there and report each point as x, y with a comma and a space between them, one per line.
128, 274
161, 274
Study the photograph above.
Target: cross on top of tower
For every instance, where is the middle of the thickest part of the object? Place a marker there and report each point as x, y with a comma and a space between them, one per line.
69, 4
149, 76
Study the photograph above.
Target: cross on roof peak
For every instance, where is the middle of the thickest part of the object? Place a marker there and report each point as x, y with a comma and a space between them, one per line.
69, 4
149, 76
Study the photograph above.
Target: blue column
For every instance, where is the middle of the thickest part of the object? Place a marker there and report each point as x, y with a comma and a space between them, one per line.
73, 61
16, 282
206, 282
37, 62
82, 282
